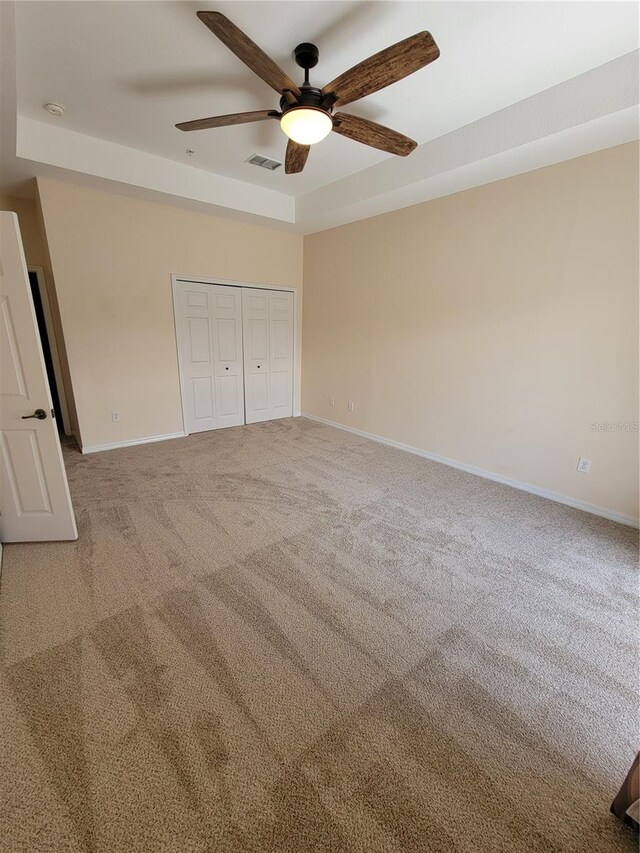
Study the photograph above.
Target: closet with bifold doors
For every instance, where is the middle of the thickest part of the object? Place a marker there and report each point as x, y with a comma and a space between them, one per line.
235, 353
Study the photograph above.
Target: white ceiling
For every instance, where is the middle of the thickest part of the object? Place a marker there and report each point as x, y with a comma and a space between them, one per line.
128, 71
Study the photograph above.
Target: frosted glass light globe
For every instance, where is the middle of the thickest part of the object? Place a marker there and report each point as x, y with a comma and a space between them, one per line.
306, 125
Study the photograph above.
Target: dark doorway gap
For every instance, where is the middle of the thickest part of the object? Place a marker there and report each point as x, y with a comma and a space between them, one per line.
46, 348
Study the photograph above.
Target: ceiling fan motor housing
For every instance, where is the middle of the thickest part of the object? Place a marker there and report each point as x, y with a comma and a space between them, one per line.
309, 96
306, 55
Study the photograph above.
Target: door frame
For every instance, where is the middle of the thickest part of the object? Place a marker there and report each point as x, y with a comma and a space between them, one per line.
53, 345
177, 280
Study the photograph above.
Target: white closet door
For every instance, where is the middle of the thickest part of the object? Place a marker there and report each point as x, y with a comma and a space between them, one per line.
209, 332
226, 315
268, 354
281, 352
255, 321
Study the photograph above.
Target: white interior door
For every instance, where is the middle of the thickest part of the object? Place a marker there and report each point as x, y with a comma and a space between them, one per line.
35, 504
209, 335
267, 317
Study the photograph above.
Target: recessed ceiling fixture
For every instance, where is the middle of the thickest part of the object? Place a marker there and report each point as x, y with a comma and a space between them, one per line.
54, 109
306, 113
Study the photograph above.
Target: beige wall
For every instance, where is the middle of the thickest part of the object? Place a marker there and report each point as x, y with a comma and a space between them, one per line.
492, 327
112, 259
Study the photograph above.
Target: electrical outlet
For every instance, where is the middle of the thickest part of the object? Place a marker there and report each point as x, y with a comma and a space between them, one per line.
584, 465
115, 417
350, 406
332, 401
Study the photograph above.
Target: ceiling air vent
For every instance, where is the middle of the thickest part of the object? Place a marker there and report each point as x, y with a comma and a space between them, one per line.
264, 162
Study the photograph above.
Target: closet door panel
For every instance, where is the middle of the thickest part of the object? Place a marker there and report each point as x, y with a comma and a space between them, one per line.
227, 354
255, 315
258, 340
259, 395
203, 399
195, 354
226, 340
281, 355
280, 394
199, 340
209, 337
230, 404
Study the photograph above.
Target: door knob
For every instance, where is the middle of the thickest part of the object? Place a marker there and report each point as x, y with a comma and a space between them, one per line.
40, 414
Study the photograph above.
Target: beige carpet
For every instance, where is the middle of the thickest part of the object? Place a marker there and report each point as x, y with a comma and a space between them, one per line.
283, 637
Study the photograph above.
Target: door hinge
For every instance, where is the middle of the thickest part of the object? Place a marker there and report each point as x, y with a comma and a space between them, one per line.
53, 414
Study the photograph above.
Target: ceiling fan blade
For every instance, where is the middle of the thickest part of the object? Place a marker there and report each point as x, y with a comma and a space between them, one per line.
375, 135
249, 52
296, 157
224, 121
383, 68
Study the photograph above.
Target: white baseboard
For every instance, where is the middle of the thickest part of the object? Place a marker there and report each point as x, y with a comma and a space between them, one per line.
611, 514
97, 448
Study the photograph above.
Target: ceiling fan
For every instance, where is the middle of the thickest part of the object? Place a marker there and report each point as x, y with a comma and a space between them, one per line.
306, 113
